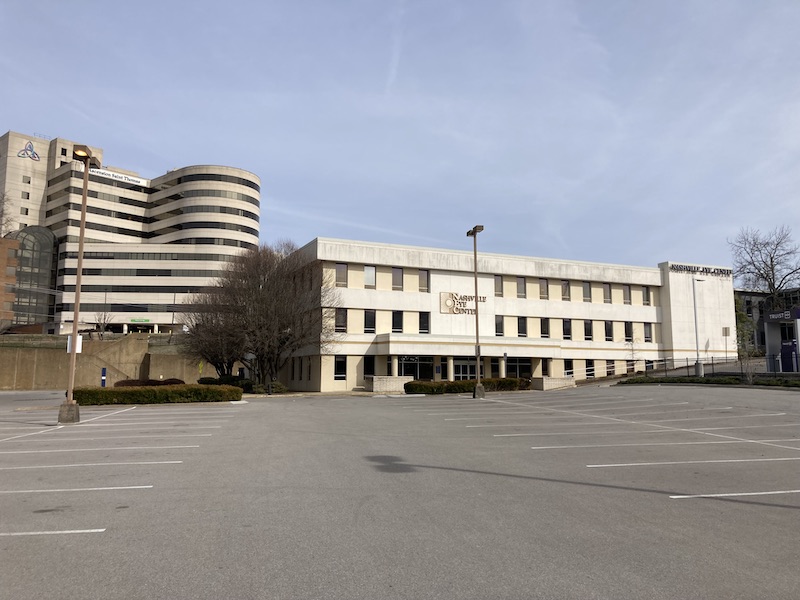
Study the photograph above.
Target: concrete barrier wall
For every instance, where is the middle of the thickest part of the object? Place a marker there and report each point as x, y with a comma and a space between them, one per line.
552, 383
43, 364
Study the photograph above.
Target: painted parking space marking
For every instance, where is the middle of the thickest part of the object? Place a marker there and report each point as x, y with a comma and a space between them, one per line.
736, 494
95, 489
103, 464
628, 432
118, 437
124, 410
694, 462
64, 532
731, 441
16, 437
95, 449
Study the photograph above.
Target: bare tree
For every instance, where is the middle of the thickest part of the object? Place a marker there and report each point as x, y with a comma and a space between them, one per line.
746, 341
103, 320
766, 262
212, 333
6, 217
274, 303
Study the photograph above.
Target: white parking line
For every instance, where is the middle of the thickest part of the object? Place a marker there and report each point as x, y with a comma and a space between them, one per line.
97, 489
111, 428
66, 531
95, 449
144, 423
106, 464
120, 437
107, 415
731, 441
693, 462
583, 433
733, 495
16, 437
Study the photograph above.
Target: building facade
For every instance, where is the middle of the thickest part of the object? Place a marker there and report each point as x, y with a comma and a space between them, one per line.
149, 244
410, 311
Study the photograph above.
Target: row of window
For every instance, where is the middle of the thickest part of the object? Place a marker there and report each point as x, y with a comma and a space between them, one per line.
423, 323
342, 272
154, 234
424, 326
566, 290
370, 277
567, 329
95, 210
147, 256
422, 367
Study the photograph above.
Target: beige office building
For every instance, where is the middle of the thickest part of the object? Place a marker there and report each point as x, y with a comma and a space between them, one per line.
410, 312
150, 243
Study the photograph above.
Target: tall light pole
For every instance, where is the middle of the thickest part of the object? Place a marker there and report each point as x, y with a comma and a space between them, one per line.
698, 365
479, 391
69, 412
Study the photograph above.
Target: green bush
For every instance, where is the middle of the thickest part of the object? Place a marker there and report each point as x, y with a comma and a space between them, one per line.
147, 382
160, 394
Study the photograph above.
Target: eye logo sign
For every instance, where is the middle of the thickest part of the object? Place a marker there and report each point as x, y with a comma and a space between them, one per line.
28, 152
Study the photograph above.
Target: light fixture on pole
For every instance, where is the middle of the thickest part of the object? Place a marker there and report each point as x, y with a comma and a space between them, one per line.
479, 391
698, 365
69, 412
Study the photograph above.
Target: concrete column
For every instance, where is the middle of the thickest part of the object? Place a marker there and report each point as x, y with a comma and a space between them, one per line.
502, 367
125, 328
451, 376
155, 327
395, 366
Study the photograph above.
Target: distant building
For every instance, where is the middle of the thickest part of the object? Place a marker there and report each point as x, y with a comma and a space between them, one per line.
409, 311
8, 280
150, 243
775, 326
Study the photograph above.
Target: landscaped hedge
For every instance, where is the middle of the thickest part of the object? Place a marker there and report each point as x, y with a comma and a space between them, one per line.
161, 394
723, 380
249, 387
467, 385
147, 382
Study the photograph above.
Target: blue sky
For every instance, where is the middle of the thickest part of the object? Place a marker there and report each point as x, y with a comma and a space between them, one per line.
630, 131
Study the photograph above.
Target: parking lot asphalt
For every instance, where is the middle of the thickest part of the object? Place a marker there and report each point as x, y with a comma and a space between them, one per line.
634, 492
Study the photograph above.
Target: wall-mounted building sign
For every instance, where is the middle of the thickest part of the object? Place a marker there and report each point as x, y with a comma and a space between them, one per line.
28, 152
451, 303
140, 320
120, 177
784, 315
696, 270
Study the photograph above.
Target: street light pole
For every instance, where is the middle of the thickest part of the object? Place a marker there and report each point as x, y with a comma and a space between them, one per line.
69, 412
479, 392
698, 365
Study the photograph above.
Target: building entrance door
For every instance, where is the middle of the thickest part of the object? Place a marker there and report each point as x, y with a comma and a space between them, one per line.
463, 369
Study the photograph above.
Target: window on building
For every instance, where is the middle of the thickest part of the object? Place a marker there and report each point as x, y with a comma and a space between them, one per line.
397, 321
569, 369
545, 327
369, 277
609, 331
628, 331
649, 365
340, 367
498, 325
369, 321
522, 326
587, 291
565, 294
566, 327
424, 322
545, 367
26, 179
630, 366
610, 369
590, 368
424, 280
23, 211
521, 293
397, 278
544, 289
341, 275
26, 195
587, 330
646, 300
626, 293
369, 366
607, 293
341, 320
498, 285
648, 332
